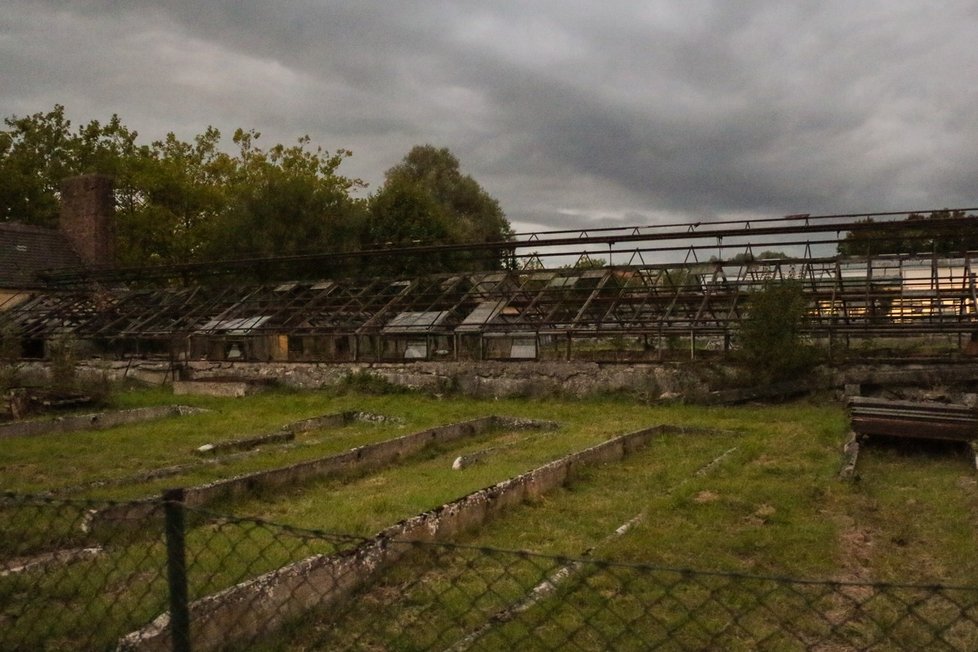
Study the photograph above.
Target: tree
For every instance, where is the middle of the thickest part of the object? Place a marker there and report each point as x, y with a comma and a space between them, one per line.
183, 201
772, 334
187, 201
169, 200
402, 215
288, 200
38, 151
918, 234
437, 205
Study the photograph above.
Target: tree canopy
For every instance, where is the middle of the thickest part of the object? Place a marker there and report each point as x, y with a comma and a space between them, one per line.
917, 234
426, 198
748, 257
187, 201
38, 151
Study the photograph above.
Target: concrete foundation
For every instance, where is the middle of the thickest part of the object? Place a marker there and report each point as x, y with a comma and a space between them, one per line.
356, 460
219, 387
95, 421
259, 606
289, 431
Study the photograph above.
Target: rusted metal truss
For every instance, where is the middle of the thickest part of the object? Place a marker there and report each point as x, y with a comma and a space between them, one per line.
656, 282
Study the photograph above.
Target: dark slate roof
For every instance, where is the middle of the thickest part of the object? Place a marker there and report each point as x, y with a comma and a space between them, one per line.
26, 250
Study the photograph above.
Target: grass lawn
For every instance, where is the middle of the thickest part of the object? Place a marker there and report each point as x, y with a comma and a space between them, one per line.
757, 493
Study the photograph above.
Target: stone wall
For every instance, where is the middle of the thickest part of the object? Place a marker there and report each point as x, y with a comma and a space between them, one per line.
485, 379
494, 379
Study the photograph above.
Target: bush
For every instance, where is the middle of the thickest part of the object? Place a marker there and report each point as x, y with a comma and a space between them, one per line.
63, 362
364, 382
10, 352
772, 343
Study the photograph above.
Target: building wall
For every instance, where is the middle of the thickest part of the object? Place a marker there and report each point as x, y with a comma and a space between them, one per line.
87, 211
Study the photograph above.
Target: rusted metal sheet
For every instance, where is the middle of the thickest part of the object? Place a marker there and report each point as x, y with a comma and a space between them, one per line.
923, 420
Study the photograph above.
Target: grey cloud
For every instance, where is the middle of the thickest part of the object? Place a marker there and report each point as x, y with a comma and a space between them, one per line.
570, 113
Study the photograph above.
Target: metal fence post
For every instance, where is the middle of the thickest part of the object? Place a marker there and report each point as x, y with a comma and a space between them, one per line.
176, 569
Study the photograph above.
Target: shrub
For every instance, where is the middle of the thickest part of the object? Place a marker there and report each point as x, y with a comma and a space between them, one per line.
62, 360
772, 343
10, 352
364, 382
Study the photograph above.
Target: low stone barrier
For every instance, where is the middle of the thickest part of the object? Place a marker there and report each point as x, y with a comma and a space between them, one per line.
356, 460
245, 443
224, 387
95, 421
334, 420
259, 606
290, 430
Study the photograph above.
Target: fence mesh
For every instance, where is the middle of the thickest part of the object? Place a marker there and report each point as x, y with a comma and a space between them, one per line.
70, 578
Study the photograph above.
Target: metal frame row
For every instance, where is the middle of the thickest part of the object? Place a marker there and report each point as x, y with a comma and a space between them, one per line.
901, 294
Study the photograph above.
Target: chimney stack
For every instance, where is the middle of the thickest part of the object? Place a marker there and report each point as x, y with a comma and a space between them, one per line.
87, 210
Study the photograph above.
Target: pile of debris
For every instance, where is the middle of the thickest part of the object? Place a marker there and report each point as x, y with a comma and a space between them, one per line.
21, 402
871, 417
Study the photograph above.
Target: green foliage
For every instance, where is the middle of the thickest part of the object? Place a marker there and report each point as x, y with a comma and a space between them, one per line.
38, 151
63, 362
426, 199
288, 200
403, 214
186, 201
772, 343
917, 234
364, 382
10, 352
179, 201
168, 203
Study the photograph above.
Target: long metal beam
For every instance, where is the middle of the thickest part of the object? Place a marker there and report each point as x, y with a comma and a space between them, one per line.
746, 234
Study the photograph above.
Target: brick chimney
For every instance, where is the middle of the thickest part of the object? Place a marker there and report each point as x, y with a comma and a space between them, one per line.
87, 210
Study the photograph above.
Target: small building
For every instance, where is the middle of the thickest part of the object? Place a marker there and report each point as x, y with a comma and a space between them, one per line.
25, 251
85, 236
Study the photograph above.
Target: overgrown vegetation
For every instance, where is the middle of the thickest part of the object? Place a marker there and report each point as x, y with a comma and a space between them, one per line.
184, 201
756, 493
364, 382
10, 352
772, 343
63, 364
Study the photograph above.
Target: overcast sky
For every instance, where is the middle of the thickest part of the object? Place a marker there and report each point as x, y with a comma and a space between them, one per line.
569, 113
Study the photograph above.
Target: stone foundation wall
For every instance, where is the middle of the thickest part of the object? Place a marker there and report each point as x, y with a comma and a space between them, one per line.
481, 379
261, 605
356, 460
93, 421
491, 379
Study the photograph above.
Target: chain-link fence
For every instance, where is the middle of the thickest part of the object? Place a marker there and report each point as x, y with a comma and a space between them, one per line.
184, 579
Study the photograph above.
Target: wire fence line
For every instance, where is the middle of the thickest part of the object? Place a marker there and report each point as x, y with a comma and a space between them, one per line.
185, 579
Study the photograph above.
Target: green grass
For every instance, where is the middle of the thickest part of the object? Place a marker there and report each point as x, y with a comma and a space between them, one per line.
756, 494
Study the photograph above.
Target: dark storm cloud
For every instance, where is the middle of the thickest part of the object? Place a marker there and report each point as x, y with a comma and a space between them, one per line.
570, 113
